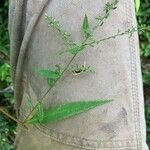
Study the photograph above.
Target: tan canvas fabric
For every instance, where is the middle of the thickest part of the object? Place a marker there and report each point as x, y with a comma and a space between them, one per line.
119, 125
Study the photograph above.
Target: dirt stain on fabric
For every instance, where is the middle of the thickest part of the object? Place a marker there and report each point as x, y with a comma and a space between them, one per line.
113, 128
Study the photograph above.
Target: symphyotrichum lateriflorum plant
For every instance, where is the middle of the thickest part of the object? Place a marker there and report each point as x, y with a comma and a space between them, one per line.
66, 110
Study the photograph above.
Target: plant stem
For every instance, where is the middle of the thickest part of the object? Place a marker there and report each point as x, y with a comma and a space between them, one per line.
12, 118
34, 108
105, 14
31, 112
60, 77
85, 44
129, 31
65, 69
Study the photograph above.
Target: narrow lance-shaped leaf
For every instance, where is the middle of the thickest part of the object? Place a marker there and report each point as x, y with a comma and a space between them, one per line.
49, 74
137, 5
67, 110
86, 28
75, 49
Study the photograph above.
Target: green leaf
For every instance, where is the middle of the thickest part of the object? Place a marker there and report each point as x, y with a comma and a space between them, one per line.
49, 74
51, 82
40, 112
67, 110
75, 49
137, 5
86, 27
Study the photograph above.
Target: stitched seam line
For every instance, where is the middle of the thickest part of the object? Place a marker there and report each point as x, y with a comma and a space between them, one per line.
135, 93
23, 50
83, 142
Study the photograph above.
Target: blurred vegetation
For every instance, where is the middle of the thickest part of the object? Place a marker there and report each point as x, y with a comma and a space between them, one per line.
143, 17
7, 127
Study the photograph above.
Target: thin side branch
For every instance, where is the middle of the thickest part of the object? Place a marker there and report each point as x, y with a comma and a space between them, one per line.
12, 118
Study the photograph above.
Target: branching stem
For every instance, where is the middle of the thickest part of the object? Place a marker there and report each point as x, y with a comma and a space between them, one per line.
55, 24
129, 31
44, 96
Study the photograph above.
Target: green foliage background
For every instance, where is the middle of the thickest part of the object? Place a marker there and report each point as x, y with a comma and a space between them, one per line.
7, 127
143, 17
